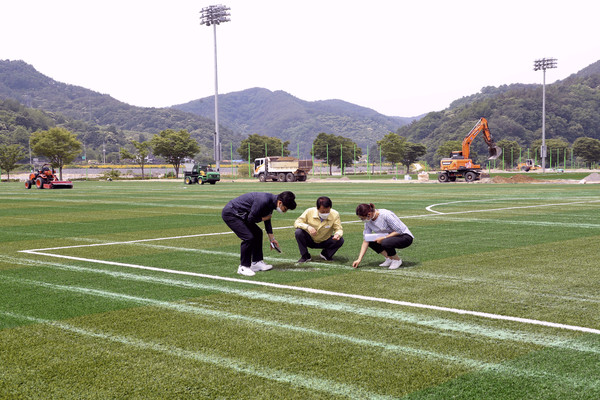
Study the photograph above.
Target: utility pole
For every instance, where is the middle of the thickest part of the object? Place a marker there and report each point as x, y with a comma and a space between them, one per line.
215, 15
544, 64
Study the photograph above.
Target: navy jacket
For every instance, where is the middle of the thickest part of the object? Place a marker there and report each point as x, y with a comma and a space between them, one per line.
253, 206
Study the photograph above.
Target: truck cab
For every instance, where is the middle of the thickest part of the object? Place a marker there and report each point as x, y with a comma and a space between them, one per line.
259, 166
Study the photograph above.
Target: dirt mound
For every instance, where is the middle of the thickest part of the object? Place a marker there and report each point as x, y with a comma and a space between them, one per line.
520, 178
591, 178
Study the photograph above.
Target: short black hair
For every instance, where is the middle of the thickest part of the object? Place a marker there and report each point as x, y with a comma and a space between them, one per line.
324, 201
288, 199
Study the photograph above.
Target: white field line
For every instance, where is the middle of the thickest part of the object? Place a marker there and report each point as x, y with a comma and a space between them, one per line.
527, 223
335, 294
448, 326
205, 311
403, 273
278, 375
240, 366
198, 310
430, 208
517, 288
327, 292
125, 203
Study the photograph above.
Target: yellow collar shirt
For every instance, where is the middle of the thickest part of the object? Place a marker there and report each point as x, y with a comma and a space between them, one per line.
325, 228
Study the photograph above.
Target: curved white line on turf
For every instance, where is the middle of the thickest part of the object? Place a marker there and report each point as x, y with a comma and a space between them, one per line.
290, 227
430, 208
337, 294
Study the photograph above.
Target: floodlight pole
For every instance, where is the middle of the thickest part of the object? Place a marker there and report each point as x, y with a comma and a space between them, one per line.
543, 64
215, 15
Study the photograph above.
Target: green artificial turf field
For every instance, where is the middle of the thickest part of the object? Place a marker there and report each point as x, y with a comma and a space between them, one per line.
117, 290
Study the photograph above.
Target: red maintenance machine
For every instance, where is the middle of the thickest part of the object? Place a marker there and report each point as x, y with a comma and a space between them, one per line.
45, 178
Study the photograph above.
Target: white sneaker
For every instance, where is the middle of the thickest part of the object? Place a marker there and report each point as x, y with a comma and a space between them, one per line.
386, 263
260, 266
395, 264
245, 271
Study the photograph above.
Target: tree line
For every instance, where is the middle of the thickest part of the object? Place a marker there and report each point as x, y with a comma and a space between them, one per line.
61, 147
337, 150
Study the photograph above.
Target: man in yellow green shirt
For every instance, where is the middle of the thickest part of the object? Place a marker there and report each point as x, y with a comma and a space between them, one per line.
319, 227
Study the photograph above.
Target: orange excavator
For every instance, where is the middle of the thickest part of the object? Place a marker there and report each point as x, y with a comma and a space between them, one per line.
459, 165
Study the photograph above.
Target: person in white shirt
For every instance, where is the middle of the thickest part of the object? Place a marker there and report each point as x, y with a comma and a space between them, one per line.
384, 233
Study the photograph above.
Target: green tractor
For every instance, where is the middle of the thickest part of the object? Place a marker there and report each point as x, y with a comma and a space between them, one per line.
196, 173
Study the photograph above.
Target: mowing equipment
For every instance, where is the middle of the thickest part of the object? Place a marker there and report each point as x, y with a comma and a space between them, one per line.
45, 178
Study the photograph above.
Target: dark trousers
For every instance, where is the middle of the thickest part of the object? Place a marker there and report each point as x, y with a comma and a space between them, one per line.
305, 241
250, 233
391, 244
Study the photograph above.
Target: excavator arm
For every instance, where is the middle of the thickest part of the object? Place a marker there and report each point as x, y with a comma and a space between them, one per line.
481, 126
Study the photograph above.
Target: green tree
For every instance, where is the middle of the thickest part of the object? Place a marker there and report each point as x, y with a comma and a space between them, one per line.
58, 145
259, 144
174, 147
587, 148
393, 147
10, 154
412, 153
142, 150
337, 150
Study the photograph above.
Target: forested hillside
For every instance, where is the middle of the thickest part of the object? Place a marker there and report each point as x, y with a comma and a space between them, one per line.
515, 113
281, 115
96, 118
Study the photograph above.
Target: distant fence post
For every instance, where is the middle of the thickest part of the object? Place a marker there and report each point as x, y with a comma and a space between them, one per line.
354, 161
368, 166
341, 160
249, 164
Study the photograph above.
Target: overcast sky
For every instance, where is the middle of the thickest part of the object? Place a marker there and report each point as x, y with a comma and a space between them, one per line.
400, 58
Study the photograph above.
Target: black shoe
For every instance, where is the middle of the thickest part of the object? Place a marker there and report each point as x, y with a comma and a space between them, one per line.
304, 259
325, 258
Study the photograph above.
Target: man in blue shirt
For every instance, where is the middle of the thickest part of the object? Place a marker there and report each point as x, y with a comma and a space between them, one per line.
242, 215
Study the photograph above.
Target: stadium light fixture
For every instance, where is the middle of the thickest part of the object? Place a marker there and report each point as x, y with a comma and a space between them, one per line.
544, 64
215, 15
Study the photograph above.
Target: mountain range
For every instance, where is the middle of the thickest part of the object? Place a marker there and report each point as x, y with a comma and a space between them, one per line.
513, 111
277, 114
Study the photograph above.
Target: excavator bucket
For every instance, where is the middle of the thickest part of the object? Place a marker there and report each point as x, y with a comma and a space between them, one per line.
495, 152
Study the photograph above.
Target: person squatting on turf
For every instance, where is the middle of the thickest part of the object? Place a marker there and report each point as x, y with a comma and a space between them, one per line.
319, 228
384, 233
242, 215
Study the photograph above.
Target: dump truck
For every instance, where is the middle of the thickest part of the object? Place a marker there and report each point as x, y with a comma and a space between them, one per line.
281, 169
45, 178
197, 173
459, 165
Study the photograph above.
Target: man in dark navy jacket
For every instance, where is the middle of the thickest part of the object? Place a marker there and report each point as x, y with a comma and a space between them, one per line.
243, 213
